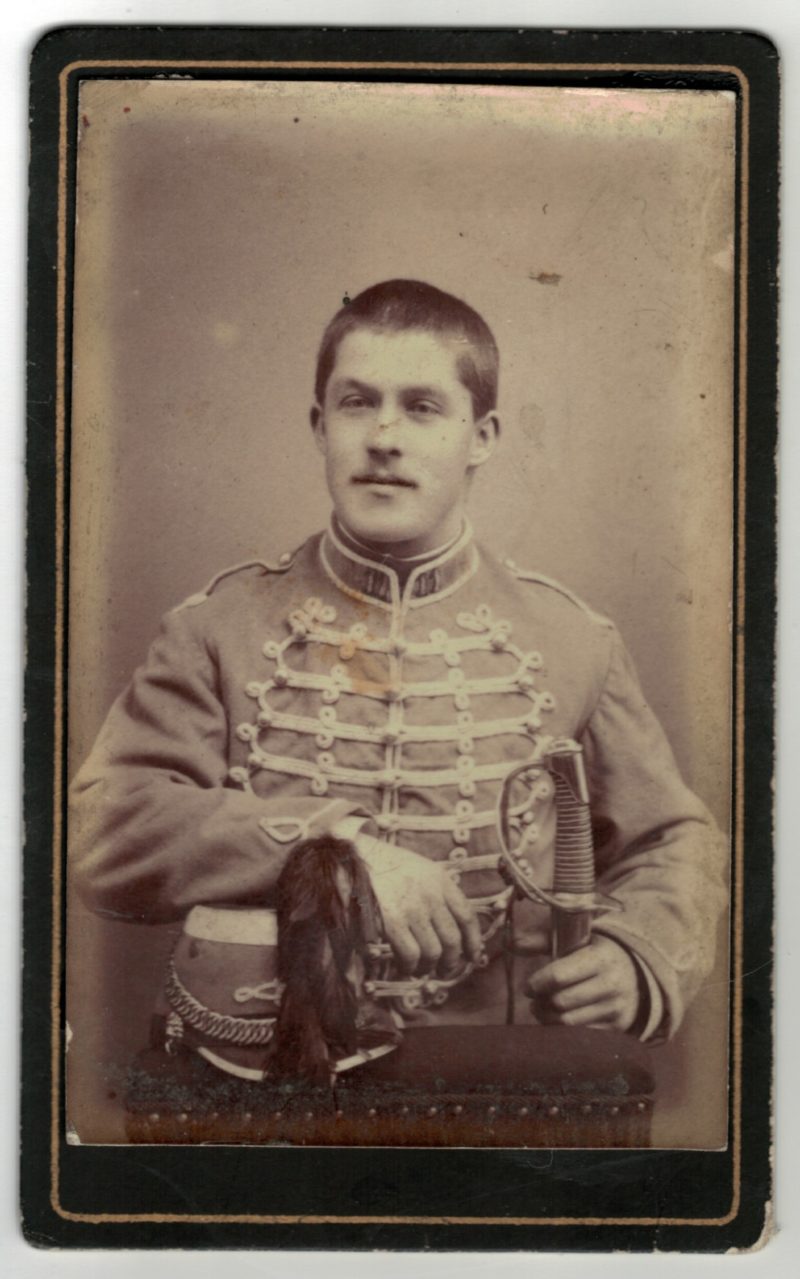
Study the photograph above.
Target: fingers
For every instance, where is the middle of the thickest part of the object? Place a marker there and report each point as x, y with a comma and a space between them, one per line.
589, 1003
449, 936
427, 919
424, 945
403, 943
603, 1014
467, 921
594, 986
583, 994
444, 928
575, 1005
422, 942
606, 1013
580, 966
430, 948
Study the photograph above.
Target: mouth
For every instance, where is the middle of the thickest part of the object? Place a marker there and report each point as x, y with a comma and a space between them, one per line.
387, 481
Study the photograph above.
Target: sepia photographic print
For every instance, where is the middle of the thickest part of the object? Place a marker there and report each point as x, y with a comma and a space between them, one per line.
404, 479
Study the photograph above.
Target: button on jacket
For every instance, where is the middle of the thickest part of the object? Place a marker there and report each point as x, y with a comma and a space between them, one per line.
284, 698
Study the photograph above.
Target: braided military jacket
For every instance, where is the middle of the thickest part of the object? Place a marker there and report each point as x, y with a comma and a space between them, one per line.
282, 699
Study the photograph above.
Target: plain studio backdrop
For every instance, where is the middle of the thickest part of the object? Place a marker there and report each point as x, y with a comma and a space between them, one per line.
220, 225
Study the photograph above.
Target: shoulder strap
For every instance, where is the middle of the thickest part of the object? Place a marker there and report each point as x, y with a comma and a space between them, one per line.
284, 563
528, 575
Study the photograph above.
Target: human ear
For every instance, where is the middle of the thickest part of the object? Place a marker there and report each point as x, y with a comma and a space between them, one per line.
484, 438
317, 419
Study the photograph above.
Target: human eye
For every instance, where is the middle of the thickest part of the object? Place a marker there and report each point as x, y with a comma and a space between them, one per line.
424, 408
354, 402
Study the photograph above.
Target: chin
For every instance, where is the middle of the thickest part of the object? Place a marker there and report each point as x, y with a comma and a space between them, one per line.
376, 526
381, 534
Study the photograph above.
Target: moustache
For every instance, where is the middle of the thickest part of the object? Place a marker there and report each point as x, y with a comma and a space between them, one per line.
370, 477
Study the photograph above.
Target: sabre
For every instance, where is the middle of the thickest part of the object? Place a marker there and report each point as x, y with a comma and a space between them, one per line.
573, 900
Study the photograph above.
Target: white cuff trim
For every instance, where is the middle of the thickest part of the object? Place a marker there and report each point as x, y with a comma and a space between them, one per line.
656, 999
347, 828
248, 927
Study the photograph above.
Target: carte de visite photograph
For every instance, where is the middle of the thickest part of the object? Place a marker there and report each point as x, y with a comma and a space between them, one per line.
401, 578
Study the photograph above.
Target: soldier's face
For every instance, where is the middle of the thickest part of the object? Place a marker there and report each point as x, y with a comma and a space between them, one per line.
400, 439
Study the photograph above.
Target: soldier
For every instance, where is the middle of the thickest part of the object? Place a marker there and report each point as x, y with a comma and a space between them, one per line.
377, 685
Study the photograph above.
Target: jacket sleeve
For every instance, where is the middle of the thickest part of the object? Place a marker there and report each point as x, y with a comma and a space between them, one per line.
156, 827
657, 848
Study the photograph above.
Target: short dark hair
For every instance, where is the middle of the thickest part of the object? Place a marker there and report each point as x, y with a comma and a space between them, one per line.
411, 304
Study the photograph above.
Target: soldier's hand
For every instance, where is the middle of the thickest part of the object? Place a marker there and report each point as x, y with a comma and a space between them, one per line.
428, 921
594, 986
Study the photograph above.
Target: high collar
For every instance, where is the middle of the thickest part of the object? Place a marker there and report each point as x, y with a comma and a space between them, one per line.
361, 576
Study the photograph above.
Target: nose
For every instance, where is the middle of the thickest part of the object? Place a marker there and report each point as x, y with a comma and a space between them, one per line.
384, 437
388, 415
381, 446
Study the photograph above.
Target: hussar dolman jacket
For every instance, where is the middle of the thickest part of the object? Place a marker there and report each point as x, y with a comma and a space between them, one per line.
285, 697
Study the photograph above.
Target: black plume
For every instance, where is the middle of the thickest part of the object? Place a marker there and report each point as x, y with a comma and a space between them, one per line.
323, 898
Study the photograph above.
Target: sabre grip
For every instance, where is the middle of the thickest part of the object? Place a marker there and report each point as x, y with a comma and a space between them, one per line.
574, 852
573, 871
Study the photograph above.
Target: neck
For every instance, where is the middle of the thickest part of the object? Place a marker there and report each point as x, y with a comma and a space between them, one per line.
396, 555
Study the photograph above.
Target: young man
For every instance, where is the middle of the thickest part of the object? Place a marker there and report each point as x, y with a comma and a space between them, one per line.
378, 685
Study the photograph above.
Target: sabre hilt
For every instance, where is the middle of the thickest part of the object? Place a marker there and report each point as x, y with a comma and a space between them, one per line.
573, 900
